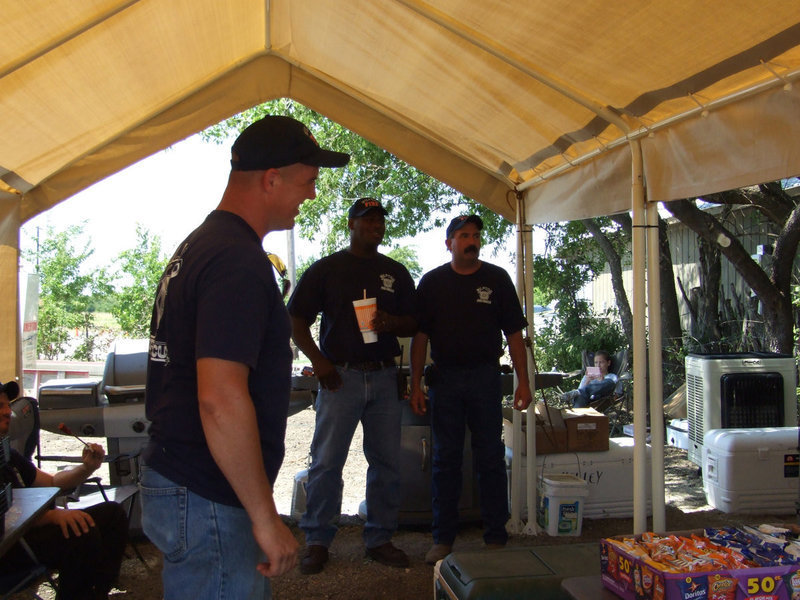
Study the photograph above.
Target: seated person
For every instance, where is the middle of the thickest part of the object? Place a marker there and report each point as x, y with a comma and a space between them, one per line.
596, 383
85, 547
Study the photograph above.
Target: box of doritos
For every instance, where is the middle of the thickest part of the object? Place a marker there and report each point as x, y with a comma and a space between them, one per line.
711, 564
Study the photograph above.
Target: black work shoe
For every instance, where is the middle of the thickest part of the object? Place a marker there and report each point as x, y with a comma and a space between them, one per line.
314, 559
387, 554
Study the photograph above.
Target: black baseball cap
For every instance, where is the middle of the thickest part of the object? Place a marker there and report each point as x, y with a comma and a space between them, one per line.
459, 222
277, 141
10, 389
362, 206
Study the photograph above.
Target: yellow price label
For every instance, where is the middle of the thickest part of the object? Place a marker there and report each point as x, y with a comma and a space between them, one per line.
763, 585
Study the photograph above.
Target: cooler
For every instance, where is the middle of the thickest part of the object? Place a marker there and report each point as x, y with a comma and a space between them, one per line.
513, 573
415, 464
678, 433
751, 470
609, 477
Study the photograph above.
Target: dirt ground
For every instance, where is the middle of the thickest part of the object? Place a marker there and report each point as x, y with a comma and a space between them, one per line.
349, 576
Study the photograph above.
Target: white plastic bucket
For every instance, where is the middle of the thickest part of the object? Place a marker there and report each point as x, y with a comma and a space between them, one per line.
560, 509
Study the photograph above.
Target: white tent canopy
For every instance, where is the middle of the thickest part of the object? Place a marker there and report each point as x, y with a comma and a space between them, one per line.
483, 95
547, 109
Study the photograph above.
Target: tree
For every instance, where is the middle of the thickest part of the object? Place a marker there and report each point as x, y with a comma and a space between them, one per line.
415, 201
141, 268
65, 294
570, 260
408, 258
772, 287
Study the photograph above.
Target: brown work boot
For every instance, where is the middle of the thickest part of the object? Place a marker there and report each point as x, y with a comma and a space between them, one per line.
314, 559
389, 555
437, 553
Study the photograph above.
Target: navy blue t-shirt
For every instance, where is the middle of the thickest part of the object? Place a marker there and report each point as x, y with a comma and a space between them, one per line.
465, 315
217, 299
330, 285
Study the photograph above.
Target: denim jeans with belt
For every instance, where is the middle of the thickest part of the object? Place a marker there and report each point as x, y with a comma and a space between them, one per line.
468, 397
369, 397
209, 549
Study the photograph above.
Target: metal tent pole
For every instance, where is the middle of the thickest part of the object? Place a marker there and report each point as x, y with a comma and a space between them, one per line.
639, 343
655, 368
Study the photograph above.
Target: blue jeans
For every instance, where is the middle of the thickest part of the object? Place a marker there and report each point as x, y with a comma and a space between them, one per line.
459, 398
594, 390
369, 397
209, 549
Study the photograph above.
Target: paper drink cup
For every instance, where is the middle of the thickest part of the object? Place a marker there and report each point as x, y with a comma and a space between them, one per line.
365, 312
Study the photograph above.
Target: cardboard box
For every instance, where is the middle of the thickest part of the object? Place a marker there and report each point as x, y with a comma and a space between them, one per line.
631, 578
549, 440
551, 432
587, 430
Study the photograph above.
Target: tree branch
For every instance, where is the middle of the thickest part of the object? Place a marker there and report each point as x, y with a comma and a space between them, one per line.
785, 251
615, 266
707, 227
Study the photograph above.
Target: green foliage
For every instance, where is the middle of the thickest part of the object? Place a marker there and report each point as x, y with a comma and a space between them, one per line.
66, 294
561, 351
408, 258
141, 268
570, 260
416, 202
70, 299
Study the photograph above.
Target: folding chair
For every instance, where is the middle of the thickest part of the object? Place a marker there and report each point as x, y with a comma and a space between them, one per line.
23, 431
615, 405
23, 436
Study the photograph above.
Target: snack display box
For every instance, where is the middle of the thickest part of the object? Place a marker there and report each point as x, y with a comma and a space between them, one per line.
752, 470
631, 578
609, 477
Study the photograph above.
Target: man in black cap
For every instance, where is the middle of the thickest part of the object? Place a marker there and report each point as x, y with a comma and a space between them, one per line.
219, 377
357, 382
464, 307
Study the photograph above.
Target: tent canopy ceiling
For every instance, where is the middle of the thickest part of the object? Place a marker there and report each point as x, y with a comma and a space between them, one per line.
489, 97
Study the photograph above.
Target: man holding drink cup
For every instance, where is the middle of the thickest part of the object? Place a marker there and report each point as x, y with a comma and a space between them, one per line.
366, 300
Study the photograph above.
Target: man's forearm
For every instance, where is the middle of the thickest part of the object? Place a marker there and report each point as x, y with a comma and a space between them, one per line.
72, 478
406, 326
232, 434
519, 357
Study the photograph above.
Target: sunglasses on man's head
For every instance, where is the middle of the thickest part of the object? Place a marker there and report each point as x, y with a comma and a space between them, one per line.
280, 268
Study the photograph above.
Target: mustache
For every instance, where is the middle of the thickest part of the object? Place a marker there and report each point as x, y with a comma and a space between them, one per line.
469, 249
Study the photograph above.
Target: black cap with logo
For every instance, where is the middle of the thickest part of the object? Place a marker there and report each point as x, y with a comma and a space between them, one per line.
362, 206
277, 141
459, 222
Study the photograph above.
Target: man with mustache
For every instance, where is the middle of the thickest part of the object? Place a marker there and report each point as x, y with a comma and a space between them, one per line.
464, 307
357, 383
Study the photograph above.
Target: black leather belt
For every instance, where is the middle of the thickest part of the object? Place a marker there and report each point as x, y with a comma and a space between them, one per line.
368, 365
